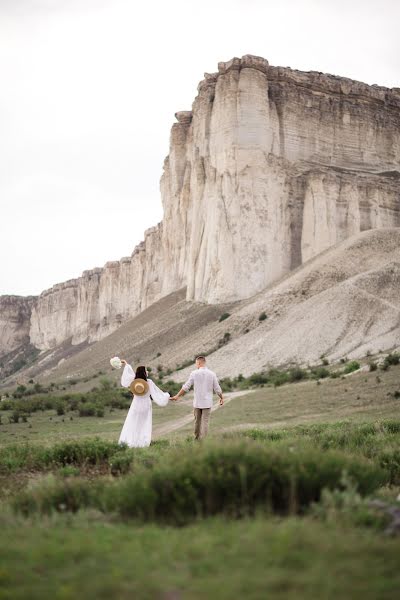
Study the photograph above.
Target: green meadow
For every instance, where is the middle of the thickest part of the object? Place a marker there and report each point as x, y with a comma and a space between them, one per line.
289, 497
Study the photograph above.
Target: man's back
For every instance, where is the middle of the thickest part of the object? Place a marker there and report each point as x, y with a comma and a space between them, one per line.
205, 382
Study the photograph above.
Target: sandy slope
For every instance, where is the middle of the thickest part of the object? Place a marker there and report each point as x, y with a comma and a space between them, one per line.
345, 302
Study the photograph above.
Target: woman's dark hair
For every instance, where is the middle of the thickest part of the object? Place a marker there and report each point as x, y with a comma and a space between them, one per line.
141, 373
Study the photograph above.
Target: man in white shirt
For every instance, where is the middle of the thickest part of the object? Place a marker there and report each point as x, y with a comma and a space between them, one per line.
205, 382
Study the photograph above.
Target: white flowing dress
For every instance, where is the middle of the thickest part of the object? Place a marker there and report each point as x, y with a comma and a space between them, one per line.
137, 429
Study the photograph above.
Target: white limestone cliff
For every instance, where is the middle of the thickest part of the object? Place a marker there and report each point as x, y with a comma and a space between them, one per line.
15, 316
271, 167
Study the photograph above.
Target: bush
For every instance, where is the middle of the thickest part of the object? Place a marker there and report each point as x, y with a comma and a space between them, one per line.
87, 410
69, 471
68, 495
390, 461
278, 378
391, 359
319, 373
234, 479
297, 374
351, 366
60, 409
224, 316
372, 366
105, 384
15, 416
32, 457
262, 316
258, 379
227, 384
99, 411
224, 340
120, 463
88, 452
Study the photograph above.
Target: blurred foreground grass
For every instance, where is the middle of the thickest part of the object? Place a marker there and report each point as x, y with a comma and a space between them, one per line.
81, 557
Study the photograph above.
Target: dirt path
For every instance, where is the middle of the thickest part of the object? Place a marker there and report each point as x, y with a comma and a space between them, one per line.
171, 426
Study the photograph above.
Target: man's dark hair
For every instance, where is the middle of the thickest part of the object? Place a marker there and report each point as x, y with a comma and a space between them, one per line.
201, 357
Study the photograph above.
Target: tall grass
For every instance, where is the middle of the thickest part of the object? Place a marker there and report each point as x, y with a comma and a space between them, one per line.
233, 478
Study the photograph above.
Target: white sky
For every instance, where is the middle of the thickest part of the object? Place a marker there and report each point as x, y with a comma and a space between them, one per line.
88, 93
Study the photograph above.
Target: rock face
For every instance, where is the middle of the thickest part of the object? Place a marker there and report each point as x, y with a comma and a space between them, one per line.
15, 319
271, 167
274, 167
97, 303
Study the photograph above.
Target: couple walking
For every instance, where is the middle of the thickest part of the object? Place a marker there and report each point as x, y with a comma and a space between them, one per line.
137, 428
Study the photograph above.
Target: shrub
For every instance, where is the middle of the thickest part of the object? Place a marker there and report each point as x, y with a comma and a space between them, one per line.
69, 471
390, 461
68, 495
88, 452
224, 316
120, 463
278, 378
15, 416
227, 384
319, 373
258, 378
105, 384
60, 409
352, 366
297, 374
224, 340
99, 411
234, 479
347, 505
171, 386
262, 316
391, 359
87, 410
372, 366
34, 457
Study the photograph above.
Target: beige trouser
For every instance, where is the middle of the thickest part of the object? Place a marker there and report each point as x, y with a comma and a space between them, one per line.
201, 420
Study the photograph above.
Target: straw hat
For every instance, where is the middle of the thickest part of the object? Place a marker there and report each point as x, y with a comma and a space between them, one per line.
139, 387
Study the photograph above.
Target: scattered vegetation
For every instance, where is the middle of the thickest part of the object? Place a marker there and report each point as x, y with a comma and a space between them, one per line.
224, 316
351, 366
390, 359
262, 316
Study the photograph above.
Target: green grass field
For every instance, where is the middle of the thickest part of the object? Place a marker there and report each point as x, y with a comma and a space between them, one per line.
276, 504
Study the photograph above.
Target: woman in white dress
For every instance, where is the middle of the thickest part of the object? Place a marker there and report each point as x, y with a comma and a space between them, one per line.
137, 429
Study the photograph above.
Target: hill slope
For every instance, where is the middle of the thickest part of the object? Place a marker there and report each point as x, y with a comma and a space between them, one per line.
345, 302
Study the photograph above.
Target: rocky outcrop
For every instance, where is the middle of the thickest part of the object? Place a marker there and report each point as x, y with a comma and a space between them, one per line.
270, 167
15, 322
276, 166
96, 304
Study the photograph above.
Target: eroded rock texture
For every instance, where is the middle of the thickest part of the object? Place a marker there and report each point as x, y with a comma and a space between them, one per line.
15, 318
276, 166
271, 167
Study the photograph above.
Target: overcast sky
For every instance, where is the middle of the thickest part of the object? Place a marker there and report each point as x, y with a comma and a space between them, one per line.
88, 93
